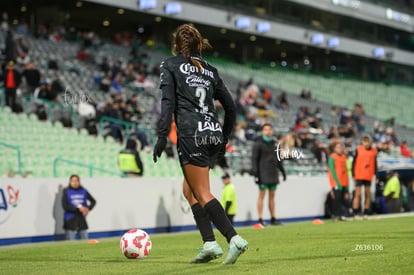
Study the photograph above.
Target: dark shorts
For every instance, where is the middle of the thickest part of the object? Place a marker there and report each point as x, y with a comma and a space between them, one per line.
201, 150
363, 183
270, 187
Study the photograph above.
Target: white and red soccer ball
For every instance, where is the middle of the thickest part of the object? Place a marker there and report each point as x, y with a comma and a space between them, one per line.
135, 244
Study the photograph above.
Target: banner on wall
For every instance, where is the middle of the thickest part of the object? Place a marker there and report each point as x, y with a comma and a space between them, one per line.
32, 207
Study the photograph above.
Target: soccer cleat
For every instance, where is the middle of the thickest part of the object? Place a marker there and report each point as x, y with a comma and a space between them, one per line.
275, 221
210, 251
236, 247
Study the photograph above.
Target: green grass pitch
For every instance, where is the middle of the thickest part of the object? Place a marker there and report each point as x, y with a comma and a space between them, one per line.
378, 246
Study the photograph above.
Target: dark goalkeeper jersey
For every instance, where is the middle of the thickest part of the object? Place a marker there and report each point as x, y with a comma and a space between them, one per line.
189, 93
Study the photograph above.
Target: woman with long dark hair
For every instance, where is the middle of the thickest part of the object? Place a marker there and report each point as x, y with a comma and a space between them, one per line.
189, 87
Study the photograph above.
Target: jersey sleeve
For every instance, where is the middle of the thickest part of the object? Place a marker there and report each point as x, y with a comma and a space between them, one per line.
223, 96
167, 87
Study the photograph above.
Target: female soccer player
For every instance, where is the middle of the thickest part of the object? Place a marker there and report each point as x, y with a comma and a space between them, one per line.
189, 87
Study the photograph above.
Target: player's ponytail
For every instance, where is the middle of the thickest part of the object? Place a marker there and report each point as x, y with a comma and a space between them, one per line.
188, 40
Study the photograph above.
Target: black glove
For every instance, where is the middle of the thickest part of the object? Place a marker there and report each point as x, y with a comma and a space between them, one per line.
159, 148
257, 180
284, 177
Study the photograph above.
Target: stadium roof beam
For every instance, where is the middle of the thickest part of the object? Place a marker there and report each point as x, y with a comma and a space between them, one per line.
219, 18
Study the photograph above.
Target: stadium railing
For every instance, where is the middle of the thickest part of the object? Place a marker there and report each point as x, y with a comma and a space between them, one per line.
18, 152
90, 167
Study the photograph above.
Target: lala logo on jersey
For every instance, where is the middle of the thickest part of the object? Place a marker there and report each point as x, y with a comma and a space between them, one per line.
9, 198
208, 125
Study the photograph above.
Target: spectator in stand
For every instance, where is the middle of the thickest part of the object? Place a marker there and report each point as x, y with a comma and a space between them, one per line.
129, 161
116, 83
44, 91
282, 102
379, 135
305, 138
134, 108
76, 202
105, 84
32, 76
267, 95
52, 64
250, 95
116, 68
405, 150
126, 114
22, 50
57, 86
345, 116
22, 59
391, 136
357, 114
301, 116
114, 112
318, 117
104, 66
252, 126
345, 131
333, 132
85, 55
305, 94
319, 151
129, 73
292, 141
11, 78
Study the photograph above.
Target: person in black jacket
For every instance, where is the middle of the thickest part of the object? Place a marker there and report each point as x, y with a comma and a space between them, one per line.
32, 76
129, 161
76, 203
265, 169
189, 87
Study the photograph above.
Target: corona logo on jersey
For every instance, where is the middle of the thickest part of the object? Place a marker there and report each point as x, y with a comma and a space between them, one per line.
187, 68
9, 198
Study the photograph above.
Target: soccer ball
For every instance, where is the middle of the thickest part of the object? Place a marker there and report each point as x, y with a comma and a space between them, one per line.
135, 244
